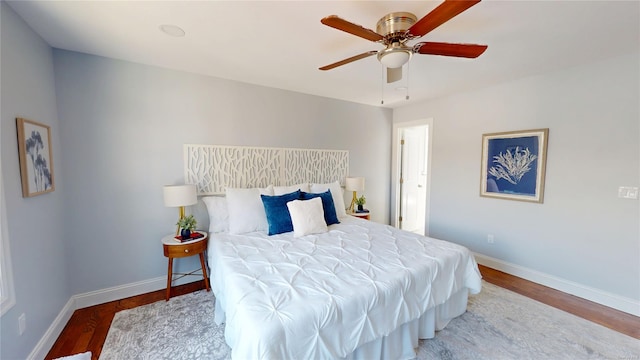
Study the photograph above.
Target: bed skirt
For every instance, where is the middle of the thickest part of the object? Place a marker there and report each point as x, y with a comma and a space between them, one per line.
401, 344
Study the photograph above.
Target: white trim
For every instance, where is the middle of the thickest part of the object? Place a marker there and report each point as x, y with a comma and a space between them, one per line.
8, 293
628, 305
119, 292
395, 161
95, 298
49, 338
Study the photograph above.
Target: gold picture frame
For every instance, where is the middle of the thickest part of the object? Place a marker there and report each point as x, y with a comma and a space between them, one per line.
36, 157
514, 165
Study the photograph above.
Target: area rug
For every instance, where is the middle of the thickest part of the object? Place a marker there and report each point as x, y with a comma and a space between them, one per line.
498, 324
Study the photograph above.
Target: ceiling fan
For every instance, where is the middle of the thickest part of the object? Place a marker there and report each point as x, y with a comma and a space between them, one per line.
395, 29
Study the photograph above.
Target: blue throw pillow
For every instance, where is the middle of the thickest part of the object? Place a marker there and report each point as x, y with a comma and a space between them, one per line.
278, 216
330, 215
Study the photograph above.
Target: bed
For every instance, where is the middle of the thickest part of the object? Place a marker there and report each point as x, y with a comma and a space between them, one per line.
359, 290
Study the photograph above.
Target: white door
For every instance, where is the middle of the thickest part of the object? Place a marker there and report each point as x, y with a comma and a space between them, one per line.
413, 178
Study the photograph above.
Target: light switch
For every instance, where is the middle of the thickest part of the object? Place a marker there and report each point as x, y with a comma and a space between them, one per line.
628, 192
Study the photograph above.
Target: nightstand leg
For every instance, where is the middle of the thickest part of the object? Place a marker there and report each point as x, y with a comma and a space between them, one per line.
169, 276
204, 272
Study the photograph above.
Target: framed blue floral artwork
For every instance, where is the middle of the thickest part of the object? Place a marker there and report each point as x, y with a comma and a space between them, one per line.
36, 159
513, 165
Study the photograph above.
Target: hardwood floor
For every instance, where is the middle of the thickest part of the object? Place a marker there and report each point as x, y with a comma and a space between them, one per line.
87, 329
600, 314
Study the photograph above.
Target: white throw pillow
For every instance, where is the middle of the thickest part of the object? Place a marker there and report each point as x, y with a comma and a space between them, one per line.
307, 217
246, 212
336, 192
218, 213
281, 190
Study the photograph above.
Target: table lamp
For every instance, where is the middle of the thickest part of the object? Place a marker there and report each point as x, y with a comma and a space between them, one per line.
354, 184
180, 196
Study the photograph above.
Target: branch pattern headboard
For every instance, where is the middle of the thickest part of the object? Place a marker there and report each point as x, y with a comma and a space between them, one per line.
212, 168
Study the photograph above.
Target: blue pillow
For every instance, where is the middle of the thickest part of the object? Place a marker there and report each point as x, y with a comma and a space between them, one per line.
330, 215
278, 216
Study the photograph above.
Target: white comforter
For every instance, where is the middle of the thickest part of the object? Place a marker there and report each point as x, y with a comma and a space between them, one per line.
323, 296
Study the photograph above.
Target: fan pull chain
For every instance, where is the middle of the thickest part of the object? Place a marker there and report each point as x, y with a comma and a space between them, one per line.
407, 76
382, 85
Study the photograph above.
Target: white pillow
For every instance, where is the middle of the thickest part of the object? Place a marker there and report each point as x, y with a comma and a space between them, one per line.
246, 212
307, 217
218, 213
281, 190
337, 194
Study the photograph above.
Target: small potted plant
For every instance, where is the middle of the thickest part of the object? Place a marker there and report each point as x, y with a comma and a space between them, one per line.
187, 224
360, 202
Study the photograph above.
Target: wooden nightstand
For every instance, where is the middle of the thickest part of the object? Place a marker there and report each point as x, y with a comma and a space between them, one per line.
175, 249
365, 216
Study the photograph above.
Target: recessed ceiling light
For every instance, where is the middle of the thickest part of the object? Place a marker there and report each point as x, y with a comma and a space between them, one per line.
172, 30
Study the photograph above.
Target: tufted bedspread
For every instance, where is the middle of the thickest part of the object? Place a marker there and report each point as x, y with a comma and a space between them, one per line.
323, 296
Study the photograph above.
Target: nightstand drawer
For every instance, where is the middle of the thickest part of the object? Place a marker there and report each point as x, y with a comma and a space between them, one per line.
173, 249
184, 250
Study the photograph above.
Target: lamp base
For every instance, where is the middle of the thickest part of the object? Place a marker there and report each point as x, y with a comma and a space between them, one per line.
180, 217
351, 208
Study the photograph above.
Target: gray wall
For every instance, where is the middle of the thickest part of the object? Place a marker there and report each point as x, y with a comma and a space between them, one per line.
35, 225
119, 139
122, 128
582, 232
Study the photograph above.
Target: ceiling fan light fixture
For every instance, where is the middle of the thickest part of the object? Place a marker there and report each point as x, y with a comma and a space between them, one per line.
396, 29
394, 58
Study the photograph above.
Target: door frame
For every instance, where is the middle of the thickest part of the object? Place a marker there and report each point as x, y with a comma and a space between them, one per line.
395, 169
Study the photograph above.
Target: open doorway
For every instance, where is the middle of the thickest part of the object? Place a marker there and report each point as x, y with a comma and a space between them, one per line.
411, 175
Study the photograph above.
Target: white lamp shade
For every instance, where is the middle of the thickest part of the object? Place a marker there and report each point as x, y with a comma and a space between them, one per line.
354, 184
180, 195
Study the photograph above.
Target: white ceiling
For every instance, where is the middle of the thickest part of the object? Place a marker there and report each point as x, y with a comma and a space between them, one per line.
281, 44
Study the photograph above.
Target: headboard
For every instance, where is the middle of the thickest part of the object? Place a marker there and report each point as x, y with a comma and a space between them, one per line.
212, 168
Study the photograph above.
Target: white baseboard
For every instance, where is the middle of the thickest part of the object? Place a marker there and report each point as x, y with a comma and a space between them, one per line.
90, 299
119, 292
51, 335
614, 301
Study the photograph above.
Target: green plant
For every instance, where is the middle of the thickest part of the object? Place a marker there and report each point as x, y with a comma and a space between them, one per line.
361, 200
187, 222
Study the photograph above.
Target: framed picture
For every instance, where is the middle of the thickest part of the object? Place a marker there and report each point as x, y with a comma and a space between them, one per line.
513, 165
36, 158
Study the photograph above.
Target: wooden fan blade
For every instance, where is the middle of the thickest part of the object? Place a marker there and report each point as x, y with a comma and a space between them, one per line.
337, 23
440, 15
471, 51
394, 74
348, 60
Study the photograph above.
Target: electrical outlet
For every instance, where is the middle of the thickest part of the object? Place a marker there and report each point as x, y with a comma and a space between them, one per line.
490, 239
22, 323
628, 192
